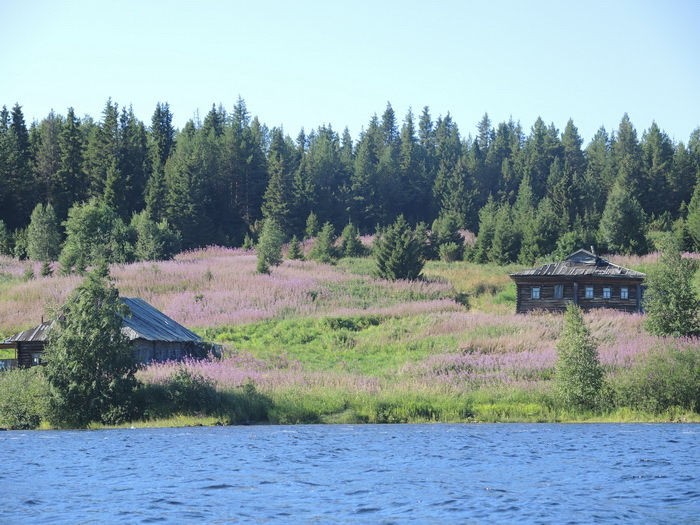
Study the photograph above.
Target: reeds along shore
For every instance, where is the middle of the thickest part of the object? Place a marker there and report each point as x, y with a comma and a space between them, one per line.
320, 343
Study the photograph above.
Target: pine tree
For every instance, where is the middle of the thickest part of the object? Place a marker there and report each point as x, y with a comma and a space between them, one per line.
578, 374
398, 253
90, 366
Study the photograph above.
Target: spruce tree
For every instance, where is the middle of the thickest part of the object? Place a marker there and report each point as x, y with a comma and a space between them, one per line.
351, 245
312, 226
69, 185
323, 250
622, 223
398, 253
295, 252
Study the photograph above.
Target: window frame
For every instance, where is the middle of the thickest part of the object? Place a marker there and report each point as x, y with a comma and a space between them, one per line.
624, 293
535, 292
558, 291
586, 290
607, 292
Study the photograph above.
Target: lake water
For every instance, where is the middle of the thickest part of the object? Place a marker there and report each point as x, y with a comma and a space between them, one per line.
355, 474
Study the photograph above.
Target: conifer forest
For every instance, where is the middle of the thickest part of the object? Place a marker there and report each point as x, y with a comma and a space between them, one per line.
147, 190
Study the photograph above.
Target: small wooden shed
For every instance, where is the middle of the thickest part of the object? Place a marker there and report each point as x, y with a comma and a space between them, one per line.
582, 278
153, 335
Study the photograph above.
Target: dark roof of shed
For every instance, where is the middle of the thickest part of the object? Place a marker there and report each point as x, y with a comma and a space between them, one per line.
145, 322
38, 333
580, 263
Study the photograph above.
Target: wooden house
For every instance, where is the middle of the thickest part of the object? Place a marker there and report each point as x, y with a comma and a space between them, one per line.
582, 278
153, 335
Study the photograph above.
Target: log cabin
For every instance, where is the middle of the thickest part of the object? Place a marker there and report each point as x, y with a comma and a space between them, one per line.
582, 278
154, 337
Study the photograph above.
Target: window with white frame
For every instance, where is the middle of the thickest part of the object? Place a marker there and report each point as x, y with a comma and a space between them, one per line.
535, 294
624, 293
589, 292
558, 291
606, 292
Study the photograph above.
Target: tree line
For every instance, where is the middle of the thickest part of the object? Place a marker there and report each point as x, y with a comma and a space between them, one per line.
128, 190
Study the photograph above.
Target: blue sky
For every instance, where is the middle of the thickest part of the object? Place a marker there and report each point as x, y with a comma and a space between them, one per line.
307, 63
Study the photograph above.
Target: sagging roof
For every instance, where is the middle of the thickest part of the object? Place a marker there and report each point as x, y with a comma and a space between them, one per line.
581, 263
145, 322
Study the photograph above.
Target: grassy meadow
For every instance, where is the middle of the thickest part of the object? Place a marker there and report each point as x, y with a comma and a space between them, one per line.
318, 343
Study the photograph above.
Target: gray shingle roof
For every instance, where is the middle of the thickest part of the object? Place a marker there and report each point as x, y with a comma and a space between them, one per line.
580, 263
145, 322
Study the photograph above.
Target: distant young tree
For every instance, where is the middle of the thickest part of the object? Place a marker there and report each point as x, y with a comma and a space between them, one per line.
578, 374
446, 232
5, 240
351, 245
269, 247
90, 366
487, 229
398, 253
295, 252
692, 222
43, 237
323, 250
672, 305
312, 226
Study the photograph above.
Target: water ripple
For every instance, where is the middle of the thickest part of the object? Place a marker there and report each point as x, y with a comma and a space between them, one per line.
354, 474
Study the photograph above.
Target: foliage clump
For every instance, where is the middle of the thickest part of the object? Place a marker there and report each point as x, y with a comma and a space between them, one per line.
90, 365
578, 374
23, 403
672, 305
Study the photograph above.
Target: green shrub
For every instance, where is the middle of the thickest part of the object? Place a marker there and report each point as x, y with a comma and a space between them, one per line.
188, 392
450, 252
668, 377
23, 398
578, 376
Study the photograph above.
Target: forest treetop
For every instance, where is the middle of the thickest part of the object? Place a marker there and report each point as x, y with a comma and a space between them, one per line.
526, 193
